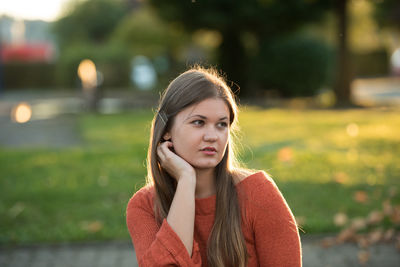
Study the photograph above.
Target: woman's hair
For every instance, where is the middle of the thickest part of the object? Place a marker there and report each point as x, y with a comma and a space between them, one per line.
226, 245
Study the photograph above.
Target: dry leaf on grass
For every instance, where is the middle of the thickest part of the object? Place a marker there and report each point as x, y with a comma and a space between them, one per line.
375, 236
387, 207
395, 216
375, 217
389, 234
285, 154
340, 219
92, 227
358, 223
347, 234
340, 177
360, 196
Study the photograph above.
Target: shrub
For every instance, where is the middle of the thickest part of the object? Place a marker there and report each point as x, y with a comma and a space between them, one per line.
113, 61
28, 75
294, 65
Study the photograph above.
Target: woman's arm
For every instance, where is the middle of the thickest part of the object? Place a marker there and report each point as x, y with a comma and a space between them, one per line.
155, 245
276, 235
182, 210
176, 233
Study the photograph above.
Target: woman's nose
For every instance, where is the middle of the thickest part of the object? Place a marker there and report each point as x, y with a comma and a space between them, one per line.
210, 135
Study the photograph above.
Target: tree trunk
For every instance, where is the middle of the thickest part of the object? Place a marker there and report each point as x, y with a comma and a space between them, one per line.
343, 75
232, 60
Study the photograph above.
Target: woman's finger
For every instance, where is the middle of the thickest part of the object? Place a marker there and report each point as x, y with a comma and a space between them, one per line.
160, 153
165, 148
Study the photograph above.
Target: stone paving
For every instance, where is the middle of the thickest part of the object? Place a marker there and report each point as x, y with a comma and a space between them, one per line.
121, 253
69, 255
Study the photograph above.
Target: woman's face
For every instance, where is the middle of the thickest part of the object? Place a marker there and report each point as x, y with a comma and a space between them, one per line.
200, 133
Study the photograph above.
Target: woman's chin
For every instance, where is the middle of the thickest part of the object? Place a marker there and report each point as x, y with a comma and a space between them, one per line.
204, 165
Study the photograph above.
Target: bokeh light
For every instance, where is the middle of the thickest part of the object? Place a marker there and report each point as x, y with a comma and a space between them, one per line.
21, 113
352, 129
87, 73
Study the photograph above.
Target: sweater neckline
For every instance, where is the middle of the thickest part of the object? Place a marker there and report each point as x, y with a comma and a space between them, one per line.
206, 206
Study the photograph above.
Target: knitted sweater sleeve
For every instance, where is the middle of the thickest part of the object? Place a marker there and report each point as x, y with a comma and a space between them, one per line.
156, 245
277, 238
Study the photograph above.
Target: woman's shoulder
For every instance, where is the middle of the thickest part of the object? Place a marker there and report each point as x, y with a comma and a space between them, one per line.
251, 176
257, 185
143, 197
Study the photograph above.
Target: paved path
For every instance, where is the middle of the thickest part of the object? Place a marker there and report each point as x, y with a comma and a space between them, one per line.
122, 254
59, 131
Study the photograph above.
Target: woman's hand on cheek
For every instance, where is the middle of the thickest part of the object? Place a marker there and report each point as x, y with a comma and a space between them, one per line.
176, 166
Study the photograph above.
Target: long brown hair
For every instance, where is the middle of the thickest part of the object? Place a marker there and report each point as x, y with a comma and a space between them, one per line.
226, 244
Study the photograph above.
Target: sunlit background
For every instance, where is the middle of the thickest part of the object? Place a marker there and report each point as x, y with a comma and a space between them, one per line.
318, 83
46, 10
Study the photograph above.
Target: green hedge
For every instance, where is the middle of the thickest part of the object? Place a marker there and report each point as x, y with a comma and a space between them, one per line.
375, 63
113, 61
293, 66
28, 75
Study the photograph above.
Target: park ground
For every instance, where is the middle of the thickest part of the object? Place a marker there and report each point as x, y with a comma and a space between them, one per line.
328, 163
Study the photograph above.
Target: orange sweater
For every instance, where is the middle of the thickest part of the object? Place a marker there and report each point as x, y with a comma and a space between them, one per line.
268, 225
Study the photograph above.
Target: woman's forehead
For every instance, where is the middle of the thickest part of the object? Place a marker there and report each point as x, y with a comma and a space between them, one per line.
212, 108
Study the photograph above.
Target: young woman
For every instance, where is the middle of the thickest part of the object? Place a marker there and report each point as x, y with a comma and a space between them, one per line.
198, 207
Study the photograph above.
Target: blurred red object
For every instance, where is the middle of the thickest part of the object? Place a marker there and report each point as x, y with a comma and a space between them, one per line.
38, 52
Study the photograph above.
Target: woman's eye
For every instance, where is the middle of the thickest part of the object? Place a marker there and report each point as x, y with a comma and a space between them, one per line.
198, 122
222, 124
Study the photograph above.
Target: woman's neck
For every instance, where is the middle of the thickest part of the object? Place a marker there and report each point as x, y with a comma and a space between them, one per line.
205, 183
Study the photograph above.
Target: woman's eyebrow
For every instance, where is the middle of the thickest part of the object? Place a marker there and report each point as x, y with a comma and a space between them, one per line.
204, 117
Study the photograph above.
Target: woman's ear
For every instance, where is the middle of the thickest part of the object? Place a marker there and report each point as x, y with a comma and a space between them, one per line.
167, 136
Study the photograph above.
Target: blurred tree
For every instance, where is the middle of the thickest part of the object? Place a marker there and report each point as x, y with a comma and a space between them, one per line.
343, 75
235, 20
307, 61
84, 31
145, 34
387, 13
89, 21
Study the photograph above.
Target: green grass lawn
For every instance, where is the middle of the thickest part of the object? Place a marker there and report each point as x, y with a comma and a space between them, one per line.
319, 159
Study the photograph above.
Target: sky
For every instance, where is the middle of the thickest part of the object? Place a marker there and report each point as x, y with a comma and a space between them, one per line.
32, 9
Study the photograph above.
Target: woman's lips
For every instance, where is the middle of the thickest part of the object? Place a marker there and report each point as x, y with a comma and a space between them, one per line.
209, 152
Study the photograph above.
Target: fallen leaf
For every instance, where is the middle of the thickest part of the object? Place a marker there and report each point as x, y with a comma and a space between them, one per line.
388, 235
375, 217
341, 177
375, 236
363, 257
358, 223
395, 216
362, 242
328, 242
346, 234
340, 219
387, 207
92, 227
285, 154
360, 196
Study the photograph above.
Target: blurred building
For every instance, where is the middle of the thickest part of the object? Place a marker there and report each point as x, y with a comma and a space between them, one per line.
26, 41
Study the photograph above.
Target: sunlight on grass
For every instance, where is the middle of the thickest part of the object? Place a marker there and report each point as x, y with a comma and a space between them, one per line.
320, 159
